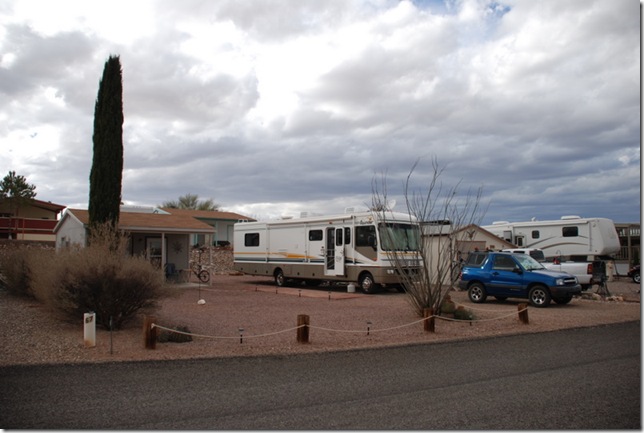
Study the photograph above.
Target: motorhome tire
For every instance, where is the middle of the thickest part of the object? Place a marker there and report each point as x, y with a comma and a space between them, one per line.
280, 280
366, 283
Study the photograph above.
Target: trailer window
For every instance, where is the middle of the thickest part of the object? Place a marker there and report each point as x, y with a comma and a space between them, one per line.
315, 235
251, 239
399, 237
535, 234
570, 231
347, 235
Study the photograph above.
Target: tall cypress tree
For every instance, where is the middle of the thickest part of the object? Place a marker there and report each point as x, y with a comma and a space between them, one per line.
107, 164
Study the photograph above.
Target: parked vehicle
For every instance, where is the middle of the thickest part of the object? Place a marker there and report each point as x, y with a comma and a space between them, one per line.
508, 275
569, 236
583, 270
634, 273
353, 247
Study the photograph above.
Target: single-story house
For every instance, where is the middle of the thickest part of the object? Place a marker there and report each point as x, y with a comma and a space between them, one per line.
161, 236
31, 221
223, 223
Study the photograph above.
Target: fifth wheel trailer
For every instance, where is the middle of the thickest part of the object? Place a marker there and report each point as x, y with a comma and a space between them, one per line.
569, 236
353, 247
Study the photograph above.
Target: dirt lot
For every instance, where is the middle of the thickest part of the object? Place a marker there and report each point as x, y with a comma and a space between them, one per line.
268, 317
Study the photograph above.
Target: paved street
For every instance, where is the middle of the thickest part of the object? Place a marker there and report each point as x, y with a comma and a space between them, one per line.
575, 379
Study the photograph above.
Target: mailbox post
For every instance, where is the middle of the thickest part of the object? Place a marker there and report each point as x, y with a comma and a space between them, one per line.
89, 329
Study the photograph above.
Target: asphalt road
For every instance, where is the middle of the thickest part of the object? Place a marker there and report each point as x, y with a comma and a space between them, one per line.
574, 379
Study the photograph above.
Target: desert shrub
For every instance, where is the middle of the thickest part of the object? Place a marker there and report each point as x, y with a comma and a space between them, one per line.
448, 306
101, 278
15, 272
173, 337
19, 267
462, 314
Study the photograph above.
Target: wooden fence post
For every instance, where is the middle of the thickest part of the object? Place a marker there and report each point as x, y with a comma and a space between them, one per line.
302, 328
523, 313
429, 323
149, 332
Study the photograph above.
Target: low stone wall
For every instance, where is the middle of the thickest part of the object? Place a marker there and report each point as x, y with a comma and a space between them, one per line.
219, 260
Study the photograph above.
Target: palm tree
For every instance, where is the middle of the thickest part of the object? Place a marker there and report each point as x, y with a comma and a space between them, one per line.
191, 201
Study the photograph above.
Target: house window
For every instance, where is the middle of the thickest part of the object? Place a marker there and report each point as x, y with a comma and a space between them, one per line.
251, 239
569, 232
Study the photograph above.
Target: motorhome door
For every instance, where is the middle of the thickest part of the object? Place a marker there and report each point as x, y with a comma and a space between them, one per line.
334, 263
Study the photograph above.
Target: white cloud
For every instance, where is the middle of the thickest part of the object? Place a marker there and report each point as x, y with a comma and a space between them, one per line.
281, 106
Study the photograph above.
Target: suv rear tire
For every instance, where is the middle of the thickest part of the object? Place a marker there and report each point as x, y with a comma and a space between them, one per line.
477, 293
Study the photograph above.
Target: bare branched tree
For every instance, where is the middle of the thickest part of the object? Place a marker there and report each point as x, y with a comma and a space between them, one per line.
443, 216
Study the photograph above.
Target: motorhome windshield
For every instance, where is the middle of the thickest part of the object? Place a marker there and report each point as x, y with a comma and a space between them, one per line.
399, 237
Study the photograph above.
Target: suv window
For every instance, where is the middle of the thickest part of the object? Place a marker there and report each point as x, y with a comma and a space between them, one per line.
475, 259
504, 263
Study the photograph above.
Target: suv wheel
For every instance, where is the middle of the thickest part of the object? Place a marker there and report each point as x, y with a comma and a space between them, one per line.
539, 296
477, 293
563, 299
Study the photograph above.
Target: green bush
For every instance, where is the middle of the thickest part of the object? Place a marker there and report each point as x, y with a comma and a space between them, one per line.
448, 306
462, 314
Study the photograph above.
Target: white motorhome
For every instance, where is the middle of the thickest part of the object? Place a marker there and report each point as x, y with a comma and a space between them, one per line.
349, 248
570, 236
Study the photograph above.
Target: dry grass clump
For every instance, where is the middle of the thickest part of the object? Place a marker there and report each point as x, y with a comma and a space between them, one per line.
101, 278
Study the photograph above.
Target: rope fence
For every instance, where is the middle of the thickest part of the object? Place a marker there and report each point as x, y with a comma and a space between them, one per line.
303, 326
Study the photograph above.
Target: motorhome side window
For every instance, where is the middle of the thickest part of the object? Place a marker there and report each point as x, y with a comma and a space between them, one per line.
347, 235
315, 235
251, 239
569, 232
535, 234
365, 236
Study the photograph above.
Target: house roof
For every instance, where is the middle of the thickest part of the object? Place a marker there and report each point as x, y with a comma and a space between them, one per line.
47, 205
133, 221
207, 214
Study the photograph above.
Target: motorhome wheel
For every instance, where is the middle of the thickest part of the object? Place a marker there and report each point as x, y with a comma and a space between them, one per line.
279, 278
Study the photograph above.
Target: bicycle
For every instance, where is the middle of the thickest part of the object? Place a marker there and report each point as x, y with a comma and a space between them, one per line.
200, 270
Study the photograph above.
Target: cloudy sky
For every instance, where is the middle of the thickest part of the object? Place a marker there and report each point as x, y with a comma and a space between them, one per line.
275, 107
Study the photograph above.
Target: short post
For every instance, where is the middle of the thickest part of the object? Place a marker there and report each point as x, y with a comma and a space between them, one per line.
523, 313
302, 328
89, 329
429, 323
149, 332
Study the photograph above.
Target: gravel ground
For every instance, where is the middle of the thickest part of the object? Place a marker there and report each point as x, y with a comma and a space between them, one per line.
268, 316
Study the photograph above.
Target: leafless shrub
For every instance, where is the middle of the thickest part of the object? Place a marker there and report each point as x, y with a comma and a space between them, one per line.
441, 212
